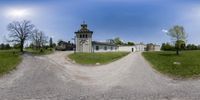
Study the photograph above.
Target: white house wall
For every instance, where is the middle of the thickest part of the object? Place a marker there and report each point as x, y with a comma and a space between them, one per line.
127, 48
140, 48
157, 48
101, 48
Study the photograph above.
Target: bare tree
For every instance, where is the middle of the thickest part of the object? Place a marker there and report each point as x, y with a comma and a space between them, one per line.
20, 32
39, 38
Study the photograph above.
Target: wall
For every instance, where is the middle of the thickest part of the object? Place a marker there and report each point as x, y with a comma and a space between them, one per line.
101, 48
127, 48
86, 47
140, 47
157, 48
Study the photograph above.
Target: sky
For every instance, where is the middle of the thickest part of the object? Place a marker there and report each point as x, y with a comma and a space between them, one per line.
132, 20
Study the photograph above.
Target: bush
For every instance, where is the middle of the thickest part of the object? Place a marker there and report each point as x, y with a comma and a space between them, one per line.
5, 47
167, 47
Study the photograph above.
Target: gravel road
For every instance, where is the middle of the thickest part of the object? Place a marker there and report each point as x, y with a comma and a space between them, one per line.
54, 77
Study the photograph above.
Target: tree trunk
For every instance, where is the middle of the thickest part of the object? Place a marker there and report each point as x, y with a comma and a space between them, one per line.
22, 46
177, 51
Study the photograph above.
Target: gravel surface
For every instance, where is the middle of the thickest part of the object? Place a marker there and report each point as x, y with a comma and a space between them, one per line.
55, 77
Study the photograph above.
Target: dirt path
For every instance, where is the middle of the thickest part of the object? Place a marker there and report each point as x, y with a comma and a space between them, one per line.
52, 77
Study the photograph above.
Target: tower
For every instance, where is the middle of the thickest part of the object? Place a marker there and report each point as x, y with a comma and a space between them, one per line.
84, 39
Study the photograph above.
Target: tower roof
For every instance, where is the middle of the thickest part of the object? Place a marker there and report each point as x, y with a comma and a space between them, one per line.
84, 29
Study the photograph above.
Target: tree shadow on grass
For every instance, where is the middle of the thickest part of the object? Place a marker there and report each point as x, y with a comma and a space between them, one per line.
168, 54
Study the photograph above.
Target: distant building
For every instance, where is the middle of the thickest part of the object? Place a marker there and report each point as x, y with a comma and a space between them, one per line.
140, 48
63, 46
84, 42
127, 48
153, 47
103, 47
135, 48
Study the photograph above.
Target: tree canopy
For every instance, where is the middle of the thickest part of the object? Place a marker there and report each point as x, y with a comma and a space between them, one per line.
178, 35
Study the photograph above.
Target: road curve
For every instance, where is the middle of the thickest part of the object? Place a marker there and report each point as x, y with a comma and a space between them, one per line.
54, 77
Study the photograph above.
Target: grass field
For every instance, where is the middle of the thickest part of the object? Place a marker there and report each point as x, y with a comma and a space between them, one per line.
8, 61
93, 58
38, 52
185, 65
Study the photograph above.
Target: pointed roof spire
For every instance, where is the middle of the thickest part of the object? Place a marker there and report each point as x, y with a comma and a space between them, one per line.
84, 29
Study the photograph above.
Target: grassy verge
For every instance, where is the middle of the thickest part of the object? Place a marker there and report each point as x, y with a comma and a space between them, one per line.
40, 51
185, 65
8, 60
93, 58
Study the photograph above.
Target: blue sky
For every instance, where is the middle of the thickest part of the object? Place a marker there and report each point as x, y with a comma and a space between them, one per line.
131, 20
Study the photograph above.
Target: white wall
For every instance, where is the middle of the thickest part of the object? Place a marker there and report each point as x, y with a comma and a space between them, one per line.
136, 48
140, 47
157, 48
101, 48
127, 48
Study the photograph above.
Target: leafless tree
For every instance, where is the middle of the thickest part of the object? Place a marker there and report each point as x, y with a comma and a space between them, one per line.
20, 31
39, 38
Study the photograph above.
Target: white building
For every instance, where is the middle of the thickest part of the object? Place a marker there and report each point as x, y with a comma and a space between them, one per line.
139, 48
103, 47
136, 48
127, 48
84, 42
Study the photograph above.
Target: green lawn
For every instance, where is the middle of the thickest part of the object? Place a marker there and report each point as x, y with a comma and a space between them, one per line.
39, 52
93, 58
185, 65
8, 61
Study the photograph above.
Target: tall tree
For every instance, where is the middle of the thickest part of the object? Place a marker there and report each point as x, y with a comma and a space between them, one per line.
20, 32
50, 42
39, 38
131, 43
118, 41
178, 35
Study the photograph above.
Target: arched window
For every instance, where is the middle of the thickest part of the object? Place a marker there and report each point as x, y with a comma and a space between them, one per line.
86, 36
80, 36
83, 36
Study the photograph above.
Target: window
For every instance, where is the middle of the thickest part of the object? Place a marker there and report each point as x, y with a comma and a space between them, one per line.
86, 36
111, 48
83, 36
105, 48
80, 36
97, 48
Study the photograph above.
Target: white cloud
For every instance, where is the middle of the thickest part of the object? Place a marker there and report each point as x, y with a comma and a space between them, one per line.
164, 30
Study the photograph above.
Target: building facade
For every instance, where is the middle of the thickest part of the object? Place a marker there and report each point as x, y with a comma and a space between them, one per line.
153, 47
135, 48
140, 48
103, 47
84, 43
63, 46
84, 39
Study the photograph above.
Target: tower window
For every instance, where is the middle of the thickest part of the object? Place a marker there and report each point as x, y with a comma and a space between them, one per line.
97, 48
86, 36
80, 36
